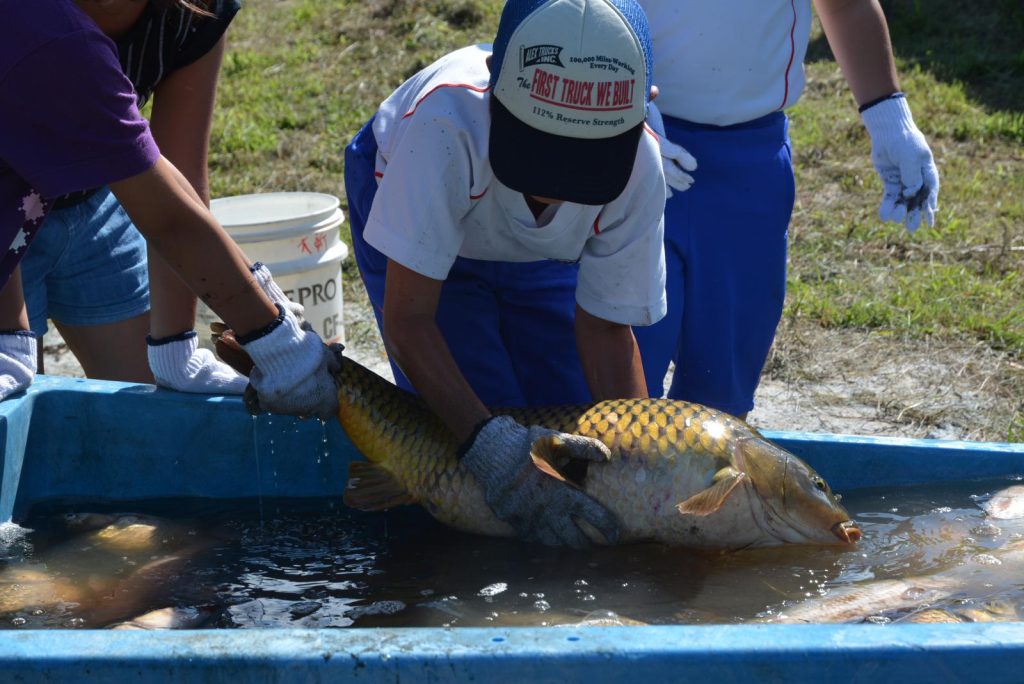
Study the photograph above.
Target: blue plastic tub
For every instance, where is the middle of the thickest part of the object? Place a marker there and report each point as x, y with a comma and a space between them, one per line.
82, 439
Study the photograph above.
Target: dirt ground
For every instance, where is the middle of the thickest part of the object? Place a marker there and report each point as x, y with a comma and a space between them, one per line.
816, 380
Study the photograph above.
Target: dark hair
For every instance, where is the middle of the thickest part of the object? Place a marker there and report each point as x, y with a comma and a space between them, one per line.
197, 6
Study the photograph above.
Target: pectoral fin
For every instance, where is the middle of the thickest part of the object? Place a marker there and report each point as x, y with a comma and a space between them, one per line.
372, 488
711, 499
545, 467
554, 457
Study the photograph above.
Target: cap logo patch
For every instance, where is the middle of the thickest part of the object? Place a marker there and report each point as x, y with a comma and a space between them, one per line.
540, 54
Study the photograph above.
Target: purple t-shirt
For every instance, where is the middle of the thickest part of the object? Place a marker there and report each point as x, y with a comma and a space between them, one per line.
68, 118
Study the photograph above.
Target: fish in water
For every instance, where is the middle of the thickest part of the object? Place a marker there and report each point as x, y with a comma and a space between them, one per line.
167, 618
997, 571
986, 611
111, 567
1006, 504
681, 474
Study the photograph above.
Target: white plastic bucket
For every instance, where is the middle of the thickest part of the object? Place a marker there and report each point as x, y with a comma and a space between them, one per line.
295, 234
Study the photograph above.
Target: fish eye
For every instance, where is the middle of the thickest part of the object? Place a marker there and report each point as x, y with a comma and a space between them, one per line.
820, 483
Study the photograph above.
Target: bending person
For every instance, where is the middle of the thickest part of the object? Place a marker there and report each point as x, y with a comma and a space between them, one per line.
505, 207
84, 130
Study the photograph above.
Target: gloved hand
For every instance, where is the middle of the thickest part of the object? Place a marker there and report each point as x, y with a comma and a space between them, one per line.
273, 290
178, 363
294, 370
538, 506
18, 360
904, 161
674, 159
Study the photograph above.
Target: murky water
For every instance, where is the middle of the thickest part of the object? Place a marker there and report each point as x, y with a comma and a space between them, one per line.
317, 564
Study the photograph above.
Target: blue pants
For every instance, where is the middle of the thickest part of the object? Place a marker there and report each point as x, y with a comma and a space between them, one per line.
725, 251
509, 326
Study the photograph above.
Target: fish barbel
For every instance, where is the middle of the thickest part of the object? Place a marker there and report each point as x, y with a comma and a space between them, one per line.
679, 473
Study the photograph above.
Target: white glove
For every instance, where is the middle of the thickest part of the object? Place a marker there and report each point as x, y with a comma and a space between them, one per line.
272, 290
539, 507
178, 363
675, 160
294, 371
904, 162
18, 360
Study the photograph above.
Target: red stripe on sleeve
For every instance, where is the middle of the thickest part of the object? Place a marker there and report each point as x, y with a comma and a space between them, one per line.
476, 89
792, 54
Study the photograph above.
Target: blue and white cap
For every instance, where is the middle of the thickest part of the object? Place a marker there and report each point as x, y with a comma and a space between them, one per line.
570, 84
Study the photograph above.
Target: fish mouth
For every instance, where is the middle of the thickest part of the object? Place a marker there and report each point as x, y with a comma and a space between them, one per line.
847, 532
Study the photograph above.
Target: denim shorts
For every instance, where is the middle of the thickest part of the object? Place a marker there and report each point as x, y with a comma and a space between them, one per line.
86, 266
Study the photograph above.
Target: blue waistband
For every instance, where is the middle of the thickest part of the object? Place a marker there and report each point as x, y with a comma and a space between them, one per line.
773, 119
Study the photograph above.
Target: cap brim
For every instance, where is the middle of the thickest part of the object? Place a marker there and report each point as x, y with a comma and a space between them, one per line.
578, 170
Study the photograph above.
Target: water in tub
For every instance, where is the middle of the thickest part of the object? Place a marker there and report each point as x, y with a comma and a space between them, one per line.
929, 554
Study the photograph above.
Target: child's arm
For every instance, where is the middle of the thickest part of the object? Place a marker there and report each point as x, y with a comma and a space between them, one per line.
180, 122
168, 212
294, 366
495, 449
610, 358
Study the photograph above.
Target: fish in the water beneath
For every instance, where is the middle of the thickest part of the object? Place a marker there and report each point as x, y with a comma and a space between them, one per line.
680, 473
998, 570
108, 570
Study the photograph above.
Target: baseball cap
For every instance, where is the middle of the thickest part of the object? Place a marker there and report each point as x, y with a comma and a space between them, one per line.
570, 83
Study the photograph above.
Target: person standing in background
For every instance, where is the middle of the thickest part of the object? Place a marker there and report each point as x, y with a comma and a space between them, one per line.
727, 71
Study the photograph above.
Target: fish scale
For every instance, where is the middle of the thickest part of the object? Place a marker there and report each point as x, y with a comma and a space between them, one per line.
663, 452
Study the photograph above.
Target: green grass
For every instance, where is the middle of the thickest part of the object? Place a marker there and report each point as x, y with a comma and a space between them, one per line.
301, 76
963, 76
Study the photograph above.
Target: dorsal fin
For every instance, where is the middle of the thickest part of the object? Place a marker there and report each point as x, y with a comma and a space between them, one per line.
373, 488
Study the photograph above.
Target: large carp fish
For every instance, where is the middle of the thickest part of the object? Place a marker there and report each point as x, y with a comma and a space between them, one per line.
681, 474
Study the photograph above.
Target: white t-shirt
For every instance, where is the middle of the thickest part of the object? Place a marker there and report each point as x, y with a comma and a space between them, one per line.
437, 198
724, 62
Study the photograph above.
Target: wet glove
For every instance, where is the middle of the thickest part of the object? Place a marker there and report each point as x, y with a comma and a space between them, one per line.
178, 363
538, 506
294, 370
18, 360
675, 160
904, 162
273, 290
